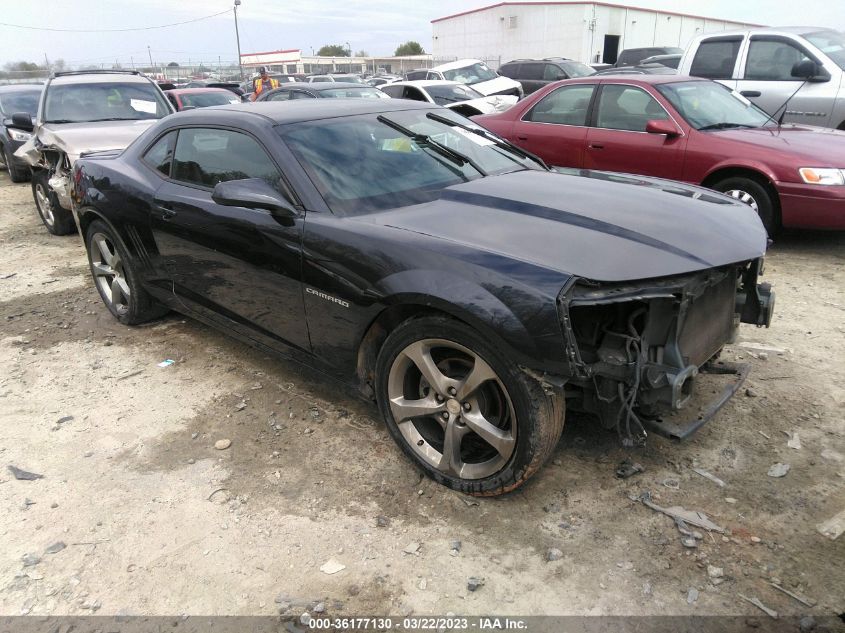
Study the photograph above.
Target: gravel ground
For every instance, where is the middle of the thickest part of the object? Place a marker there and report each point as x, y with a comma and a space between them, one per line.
156, 520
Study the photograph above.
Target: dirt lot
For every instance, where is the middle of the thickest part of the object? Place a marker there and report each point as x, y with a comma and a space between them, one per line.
157, 521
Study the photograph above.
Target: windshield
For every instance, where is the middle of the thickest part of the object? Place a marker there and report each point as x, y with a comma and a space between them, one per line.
104, 101
357, 93
472, 74
360, 164
831, 43
350, 79
12, 102
206, 99
707, 104
577, 69
443, 95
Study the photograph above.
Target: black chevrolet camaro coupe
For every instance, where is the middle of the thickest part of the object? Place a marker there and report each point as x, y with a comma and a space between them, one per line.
471, 292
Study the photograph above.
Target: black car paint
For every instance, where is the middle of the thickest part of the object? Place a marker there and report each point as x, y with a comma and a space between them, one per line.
6, 141
493, 252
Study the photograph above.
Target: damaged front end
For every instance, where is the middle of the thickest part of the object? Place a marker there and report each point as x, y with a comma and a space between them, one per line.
635, 349
55, 162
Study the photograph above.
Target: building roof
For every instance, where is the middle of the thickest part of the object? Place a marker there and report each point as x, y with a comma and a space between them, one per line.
601, 4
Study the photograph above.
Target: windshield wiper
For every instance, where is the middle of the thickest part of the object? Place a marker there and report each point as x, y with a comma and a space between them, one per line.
427, 141
723, 126
499, 142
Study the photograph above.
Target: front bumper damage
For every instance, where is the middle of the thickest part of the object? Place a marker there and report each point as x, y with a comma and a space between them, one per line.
55, 161
635, 350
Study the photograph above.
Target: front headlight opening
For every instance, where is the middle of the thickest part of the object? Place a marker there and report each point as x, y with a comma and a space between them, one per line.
822, 176
17, 135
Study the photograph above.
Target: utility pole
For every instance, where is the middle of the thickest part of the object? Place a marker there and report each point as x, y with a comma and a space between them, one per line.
151, 56
238, 38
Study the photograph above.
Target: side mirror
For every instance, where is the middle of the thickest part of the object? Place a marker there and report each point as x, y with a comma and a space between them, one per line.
662, 126
809, 70
252, 193
22, 121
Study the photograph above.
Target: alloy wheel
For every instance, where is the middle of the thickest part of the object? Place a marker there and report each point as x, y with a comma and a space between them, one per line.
452, 409
743, 196
107, 267
45, 207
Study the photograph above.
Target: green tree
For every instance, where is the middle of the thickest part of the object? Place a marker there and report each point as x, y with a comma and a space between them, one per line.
21, 66
409, 48
362, 53
333, 50
173, 65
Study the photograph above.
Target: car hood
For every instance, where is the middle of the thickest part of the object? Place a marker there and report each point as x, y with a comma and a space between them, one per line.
492, 86
487, 105
76, 138
824, 147
597, 225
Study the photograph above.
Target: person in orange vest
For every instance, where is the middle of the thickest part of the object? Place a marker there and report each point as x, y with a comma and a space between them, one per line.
264, 82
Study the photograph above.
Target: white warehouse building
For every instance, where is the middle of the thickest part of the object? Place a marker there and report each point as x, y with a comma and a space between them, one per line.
589, 32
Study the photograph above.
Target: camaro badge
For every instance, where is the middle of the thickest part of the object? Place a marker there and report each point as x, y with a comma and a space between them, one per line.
323, 295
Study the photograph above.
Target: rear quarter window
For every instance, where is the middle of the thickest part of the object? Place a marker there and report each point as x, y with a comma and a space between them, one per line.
715, 59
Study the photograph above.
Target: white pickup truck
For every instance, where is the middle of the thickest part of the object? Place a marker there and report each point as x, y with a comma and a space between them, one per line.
759, 64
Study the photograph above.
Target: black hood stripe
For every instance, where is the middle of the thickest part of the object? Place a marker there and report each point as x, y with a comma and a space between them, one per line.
566, 217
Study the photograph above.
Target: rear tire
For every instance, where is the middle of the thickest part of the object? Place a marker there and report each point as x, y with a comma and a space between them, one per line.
58, 221
452, 382
116, 279
756, 195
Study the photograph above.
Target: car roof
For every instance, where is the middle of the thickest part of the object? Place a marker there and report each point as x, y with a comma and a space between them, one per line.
633, 78
461, 63
99, 78
21, 87
191, 91
427, 83
795, 30
282, 112
324, 85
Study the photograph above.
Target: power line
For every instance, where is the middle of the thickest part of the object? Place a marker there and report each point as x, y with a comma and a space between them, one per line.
141, 28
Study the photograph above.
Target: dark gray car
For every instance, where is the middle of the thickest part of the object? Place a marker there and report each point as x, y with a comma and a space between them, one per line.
16, 99
533, 74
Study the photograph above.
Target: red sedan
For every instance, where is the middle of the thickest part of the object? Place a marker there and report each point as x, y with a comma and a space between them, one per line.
687, 129
182, 98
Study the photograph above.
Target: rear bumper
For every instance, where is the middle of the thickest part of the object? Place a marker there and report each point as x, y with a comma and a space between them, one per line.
812, 206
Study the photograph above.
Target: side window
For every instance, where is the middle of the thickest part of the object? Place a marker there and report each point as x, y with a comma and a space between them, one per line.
206, 156
772, 60
160, 155
282, 95
510, 70
300, 94
172, 100
564, 106
531, 71
413, 93
551, 72
627, 108
715, 59
393, 91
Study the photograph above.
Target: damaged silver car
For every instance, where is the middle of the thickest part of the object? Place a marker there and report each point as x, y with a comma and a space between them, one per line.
81, 112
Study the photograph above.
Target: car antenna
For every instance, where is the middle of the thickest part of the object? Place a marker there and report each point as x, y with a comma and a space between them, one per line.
783, 107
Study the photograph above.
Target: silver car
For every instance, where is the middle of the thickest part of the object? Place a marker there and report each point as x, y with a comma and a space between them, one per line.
759, 64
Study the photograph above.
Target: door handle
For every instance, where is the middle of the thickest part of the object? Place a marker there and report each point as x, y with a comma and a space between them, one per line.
165, 211
521, 137
596, 146
750, 93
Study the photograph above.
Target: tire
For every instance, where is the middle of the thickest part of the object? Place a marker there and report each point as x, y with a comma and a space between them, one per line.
17, 174
58, 221
116, 279
505, 406
756, 195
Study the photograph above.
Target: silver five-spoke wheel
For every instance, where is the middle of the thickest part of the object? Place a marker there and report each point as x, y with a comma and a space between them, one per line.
107, 267
452, 409
45, 207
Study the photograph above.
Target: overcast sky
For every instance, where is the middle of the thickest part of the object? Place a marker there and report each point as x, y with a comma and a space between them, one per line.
376, 26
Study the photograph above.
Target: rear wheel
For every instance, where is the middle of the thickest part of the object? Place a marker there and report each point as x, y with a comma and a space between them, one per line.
57, 220
755, 195
116, 280
470, 418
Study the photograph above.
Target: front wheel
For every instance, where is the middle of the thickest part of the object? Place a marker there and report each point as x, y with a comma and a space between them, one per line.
116, 280
58, 221
16, 174
756, 196
469, 417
